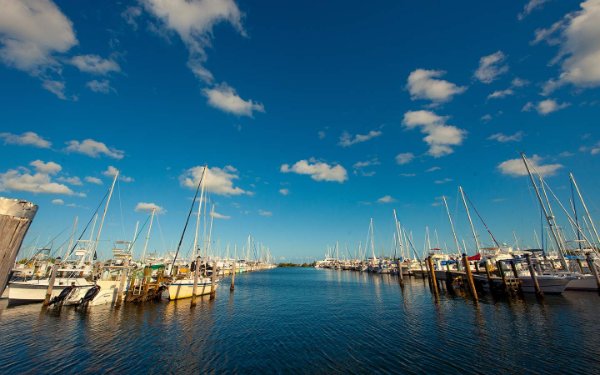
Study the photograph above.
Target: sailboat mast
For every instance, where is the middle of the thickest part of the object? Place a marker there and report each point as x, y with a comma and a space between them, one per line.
148, 235
451, 225
587, 212
112, 187
477, 245
549, 219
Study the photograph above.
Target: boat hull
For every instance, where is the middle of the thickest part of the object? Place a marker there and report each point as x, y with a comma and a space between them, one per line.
548, 285
183, 290
585, 283
34, 291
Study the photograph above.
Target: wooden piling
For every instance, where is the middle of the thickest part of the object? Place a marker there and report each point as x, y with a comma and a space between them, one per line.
469, 277
502, 276
232, 286
51, 281
433, 279
536, 285
195, 287
124, 275
15, 219
213, 279
489, 275
593, 269
400, 275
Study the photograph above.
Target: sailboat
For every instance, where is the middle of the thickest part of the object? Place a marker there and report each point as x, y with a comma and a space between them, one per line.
182, 285
71, 276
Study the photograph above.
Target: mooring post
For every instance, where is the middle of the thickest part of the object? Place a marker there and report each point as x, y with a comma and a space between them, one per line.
422, 270
593, 269
400, 275
213, 279
432, 276
124, 275
195, 287
51, 281
536, 285
232, 286
489, 275
501, 271
469, 277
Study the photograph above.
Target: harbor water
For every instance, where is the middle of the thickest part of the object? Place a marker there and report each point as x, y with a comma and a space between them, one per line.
299, 320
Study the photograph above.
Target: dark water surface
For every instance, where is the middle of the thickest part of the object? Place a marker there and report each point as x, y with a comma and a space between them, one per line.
309, 321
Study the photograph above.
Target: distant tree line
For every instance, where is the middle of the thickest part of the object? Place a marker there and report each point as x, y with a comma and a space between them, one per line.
296, 264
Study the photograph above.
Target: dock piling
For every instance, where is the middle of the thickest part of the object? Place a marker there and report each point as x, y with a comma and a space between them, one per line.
232, 286
432, 277
470, 277
593, 269
195, 287
213, 279
536, 285
51, 281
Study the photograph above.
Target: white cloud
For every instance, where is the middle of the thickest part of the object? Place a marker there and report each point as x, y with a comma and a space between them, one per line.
217, 215
530, 7
486, 118
318, 171
148, 207
499, 94
55, 87
433, 169
516, 168
225, 98
321, 134
217, 180
515, 83
194, 21
408, 174
94, 64
75, 181
284, 192
93, 180
545, 107
130, 15
31, 31
404, 158
579, 41
360, 166
424, 84
22, 179
46, 168
347, 139
439, 136
25, 139
519, 82
503, 138
386, 199
94, 149
112, 172
265, 213
442, 181
366, 163
491, 67
102, 86
58, 202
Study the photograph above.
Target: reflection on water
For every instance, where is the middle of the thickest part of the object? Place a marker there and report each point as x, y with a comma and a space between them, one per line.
306, 320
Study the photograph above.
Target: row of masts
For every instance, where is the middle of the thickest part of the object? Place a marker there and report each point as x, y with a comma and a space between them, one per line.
586, 235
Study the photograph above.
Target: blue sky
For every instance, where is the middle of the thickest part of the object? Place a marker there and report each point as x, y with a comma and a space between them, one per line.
313, 116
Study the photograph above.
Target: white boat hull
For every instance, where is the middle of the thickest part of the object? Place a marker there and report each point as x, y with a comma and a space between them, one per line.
584, 283
34, 291
184, 289
548, 285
